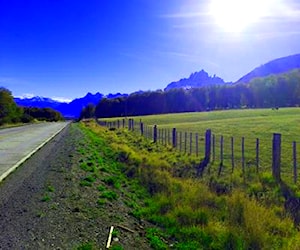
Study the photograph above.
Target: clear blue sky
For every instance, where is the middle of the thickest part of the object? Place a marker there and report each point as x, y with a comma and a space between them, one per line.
66, 48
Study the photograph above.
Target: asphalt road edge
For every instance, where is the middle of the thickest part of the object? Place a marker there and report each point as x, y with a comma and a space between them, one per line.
25, 158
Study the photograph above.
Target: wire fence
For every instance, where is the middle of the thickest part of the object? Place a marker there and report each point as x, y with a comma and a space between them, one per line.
224, 153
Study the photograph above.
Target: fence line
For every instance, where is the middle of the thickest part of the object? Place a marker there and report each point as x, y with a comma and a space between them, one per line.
226, 154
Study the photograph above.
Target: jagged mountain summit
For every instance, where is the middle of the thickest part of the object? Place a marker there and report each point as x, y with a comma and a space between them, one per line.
277, 66
196, 80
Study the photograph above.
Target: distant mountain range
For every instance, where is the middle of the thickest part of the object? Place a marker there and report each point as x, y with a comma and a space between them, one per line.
71, 109
197, 79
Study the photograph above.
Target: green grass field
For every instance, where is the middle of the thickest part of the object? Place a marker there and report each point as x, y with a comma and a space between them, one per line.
248, 123
232, 211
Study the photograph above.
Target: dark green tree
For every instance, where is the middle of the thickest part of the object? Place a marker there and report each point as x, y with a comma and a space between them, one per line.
9, 111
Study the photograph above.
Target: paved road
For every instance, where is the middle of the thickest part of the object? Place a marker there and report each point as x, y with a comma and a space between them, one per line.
19, 143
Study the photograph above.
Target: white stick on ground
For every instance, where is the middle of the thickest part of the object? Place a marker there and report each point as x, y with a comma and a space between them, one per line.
109, 237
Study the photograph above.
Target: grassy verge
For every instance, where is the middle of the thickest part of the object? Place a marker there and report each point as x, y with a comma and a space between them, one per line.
191, 213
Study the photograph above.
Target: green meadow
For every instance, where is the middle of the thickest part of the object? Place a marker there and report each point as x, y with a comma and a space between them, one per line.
247, 123
250, 123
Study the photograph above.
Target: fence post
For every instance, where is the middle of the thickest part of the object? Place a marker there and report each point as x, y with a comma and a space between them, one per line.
221, 154
207, 145
174, 139
129, 124
147, 131
243, 156
276, 156
232, 154
132, 123
185, 142
155, 134
180, 141
142, 128
197, 144
257, 154
214, 147
118, 124
123, 123
191, 143
295, 161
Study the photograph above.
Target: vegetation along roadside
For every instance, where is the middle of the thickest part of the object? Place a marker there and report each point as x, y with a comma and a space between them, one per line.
187, 212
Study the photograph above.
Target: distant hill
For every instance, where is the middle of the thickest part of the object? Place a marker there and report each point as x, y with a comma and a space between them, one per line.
196, 80
276, 66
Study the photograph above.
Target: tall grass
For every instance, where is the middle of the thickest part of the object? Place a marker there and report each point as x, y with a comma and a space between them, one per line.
203, 213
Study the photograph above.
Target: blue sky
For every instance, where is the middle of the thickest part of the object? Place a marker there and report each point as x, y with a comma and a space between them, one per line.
66, 48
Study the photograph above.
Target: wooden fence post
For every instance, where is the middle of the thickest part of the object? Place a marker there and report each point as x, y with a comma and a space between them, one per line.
214, 147
129, 124
232, 154
118, 124
132, 123
142, 128
185, 142
155, 134
191, 143
180, 141
197, 144
123, 123
257, 155
295, 161
243, 156
174, 139
221, 154
276, 156
207, 145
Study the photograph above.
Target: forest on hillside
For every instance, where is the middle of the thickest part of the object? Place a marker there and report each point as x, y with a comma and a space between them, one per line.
10, 112
269, 92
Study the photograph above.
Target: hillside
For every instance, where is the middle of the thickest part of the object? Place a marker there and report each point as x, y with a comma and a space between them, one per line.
277, 66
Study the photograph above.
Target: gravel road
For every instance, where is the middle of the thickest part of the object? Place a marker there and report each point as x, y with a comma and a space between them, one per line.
42, 205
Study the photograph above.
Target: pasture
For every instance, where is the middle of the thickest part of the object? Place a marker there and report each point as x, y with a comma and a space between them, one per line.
249, 124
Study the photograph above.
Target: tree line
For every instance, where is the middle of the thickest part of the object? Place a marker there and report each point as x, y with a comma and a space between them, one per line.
10, 112
269, 92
